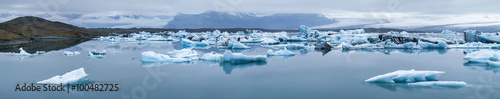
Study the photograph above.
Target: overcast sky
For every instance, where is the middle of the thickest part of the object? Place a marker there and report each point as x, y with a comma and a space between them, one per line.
171, 7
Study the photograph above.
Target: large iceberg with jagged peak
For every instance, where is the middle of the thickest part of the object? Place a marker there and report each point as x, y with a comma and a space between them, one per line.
77, 76
406, 76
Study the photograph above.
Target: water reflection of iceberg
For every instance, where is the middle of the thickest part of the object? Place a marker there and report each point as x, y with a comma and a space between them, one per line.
229, 66
394, 87
482, 67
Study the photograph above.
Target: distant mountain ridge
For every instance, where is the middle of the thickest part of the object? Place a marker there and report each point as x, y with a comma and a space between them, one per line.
30, 27
245, 20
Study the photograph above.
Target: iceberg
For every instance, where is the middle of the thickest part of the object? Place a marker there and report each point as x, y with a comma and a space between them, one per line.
482, 56
283, 52
22, 52
439, 83
237, 45
150, 56
269, 41
184, 53
447, 32
409, 45
291, 46
346, 46
73, 77
99, 55
212, 56
239, 57
406, 76
356, 31
439, 45
69, 53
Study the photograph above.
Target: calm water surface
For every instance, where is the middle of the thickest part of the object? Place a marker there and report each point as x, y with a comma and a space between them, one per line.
308, 75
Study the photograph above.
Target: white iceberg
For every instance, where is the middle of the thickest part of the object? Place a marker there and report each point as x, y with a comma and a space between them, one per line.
406, 76
212, 56
355, 31
347, 46
150, 56
439, 83
439, 45
184, 53
283, 52
482, 56
70, 53
409, 45
268, 41
69, 78
291, 46
22, 52
95, 54
238, 57
237, 45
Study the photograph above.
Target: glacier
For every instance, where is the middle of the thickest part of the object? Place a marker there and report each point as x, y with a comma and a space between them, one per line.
77, 76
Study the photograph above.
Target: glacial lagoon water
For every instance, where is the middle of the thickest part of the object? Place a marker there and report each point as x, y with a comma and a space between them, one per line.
337, 74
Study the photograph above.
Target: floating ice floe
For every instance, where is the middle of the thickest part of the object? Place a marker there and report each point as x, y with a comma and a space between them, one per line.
356, 31
406, 76
150, 56
183, 53
415, 78
70, 53
96, 54
283, 52
482, 56
77, 76
474, 45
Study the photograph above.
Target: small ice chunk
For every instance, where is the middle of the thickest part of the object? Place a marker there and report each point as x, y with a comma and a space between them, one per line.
212, 56
439, 83
70, 77
283, 52
70, 53
406, 76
